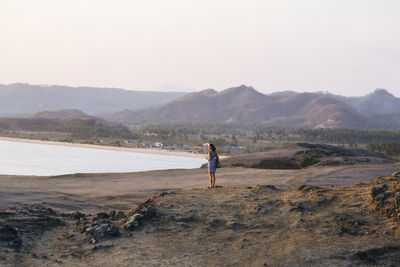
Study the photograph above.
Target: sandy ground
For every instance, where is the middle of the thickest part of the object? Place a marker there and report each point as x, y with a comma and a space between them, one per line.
225, 226
96, 192
113, 148
238, 224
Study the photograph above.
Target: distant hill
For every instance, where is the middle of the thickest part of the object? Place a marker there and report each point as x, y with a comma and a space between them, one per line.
70, 116
60, 114
378, 102
244, 104
73, 122
20, 98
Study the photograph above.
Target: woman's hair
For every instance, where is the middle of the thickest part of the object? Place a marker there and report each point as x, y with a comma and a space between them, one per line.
212, 147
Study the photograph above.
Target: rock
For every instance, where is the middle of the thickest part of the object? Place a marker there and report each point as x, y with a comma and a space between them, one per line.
78, 215
35, 256
101, 215
10, 237
114, 215
298, 207
377, 192
260, 187
396, 174
90, 230
231, 224
213, 222
307, 188
133, 221
397, 200
105, 230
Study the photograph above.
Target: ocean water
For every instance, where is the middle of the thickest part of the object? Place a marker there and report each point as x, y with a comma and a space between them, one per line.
18, 158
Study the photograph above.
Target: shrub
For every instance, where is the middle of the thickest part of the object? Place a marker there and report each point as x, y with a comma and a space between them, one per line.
308, 161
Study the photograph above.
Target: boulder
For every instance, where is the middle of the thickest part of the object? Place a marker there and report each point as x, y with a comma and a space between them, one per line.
133, 221
105, 230
377, 192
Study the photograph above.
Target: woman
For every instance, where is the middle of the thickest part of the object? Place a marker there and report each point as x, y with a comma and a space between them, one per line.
212, 158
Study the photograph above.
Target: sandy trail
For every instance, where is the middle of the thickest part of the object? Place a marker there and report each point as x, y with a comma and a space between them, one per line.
92, 193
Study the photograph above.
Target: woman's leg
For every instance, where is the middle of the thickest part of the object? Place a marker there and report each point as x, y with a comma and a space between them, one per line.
211, 179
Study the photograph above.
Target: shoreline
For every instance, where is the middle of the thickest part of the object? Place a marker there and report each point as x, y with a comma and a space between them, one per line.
112, 148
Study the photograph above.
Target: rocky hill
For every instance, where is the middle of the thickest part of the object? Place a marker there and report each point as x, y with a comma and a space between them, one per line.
245, 105
20, 98
301, 155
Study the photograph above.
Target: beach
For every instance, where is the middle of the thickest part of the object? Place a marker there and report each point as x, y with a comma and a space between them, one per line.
112, 148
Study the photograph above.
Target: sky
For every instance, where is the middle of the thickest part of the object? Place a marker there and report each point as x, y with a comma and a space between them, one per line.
347, 47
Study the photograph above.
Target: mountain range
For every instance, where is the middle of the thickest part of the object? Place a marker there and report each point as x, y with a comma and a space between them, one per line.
244, 104
22, 98
240, 105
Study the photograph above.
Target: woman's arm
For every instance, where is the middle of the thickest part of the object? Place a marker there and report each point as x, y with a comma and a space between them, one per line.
208, 156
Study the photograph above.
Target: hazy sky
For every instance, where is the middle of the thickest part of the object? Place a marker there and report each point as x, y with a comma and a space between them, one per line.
347, 47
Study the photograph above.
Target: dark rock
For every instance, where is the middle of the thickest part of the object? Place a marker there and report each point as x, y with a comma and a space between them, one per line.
4, 214
379, 255
187, 219
299, 207
105, 230
78, 215
306, 188
263, 187
90, 230
232, 224
101, 215
10, 237
114, 215
377, 192
35, 256
213, 222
